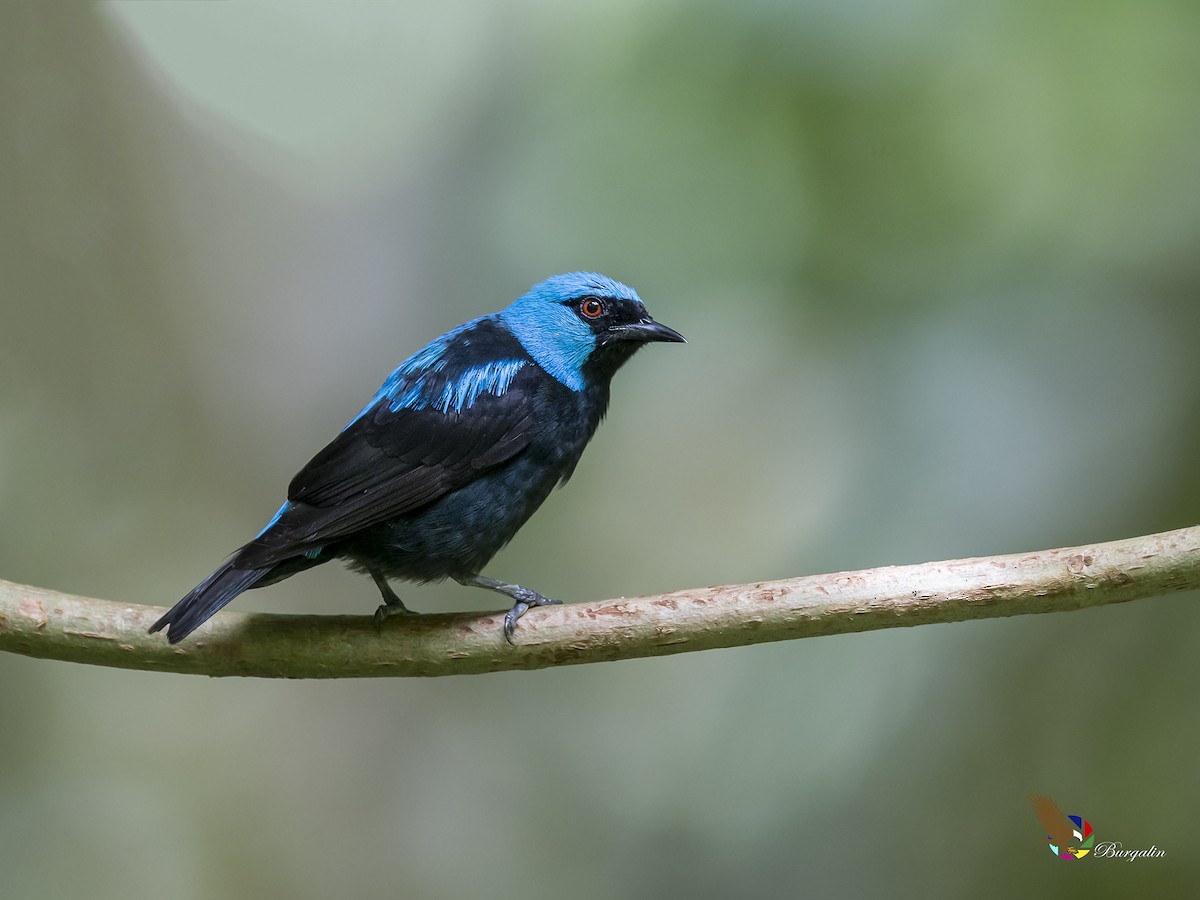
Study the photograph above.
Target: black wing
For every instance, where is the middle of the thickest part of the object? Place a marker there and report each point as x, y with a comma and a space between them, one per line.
386, 464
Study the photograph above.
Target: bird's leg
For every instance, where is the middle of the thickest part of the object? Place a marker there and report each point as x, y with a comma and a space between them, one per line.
392, 605
524, 598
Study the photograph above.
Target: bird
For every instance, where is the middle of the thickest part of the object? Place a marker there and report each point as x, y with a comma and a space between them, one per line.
453, 454
1059, 829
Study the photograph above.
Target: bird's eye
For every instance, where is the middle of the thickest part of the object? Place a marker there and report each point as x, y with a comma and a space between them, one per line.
591, 308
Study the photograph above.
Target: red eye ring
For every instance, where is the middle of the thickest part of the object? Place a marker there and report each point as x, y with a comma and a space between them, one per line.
591, 308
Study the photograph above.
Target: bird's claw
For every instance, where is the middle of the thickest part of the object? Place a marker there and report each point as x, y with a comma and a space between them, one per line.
386, 610
392, 605
525, 599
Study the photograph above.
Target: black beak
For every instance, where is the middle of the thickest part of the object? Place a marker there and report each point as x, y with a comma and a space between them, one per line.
645, 331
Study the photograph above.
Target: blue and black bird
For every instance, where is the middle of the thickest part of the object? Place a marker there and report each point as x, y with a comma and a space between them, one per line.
453, 454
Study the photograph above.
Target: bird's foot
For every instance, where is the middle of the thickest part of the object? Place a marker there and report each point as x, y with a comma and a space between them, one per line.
524, 597
386, 610
392, 605
520, 608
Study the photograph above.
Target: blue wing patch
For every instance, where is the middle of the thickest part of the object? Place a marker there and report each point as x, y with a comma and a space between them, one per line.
422, 380
492, 378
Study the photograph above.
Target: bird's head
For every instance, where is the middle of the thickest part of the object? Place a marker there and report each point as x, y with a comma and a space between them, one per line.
582, 323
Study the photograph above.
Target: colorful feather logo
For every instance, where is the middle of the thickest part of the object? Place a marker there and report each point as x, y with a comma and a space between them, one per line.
1070, 837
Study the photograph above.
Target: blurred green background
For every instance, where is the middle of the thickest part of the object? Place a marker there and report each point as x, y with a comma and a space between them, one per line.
937, 263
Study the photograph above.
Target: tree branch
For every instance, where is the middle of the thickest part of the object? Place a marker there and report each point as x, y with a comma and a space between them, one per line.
42, 623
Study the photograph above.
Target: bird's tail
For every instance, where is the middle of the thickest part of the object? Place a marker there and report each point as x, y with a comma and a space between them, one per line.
203, 601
